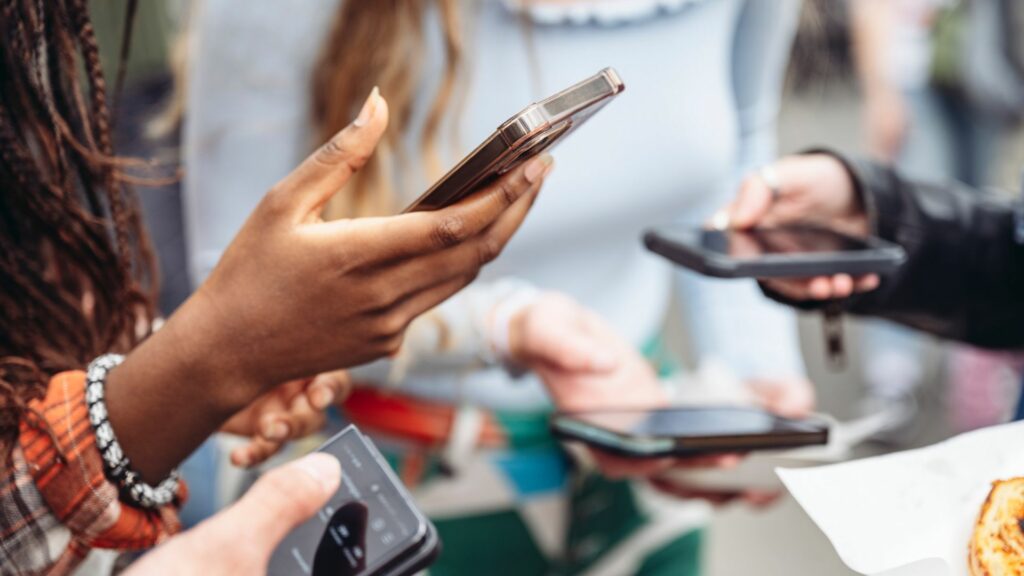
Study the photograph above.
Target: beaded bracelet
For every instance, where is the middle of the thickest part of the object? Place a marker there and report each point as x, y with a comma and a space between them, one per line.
117, 466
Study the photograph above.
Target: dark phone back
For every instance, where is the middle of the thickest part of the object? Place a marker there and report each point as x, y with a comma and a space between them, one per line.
370, 527
687, 431
811, 251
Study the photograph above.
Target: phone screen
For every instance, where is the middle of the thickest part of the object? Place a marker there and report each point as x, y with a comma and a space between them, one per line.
751, 244
692, 422
367, 523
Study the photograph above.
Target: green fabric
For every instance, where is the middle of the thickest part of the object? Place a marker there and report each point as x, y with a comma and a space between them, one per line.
663, 360
681, 557
603, 513
496, 544
526, 430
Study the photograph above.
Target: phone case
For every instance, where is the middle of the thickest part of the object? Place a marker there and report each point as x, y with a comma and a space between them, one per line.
536, 129
429, 547
563, 426
881, 257
409, 561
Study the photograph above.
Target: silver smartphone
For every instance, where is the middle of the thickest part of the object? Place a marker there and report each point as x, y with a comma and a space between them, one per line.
534, 130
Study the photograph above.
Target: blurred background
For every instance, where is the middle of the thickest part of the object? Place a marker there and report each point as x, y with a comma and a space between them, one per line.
900, 93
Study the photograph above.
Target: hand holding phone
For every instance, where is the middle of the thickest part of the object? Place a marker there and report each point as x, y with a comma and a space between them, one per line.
811, 189
370, 527
786, 252
687, 432
538, 128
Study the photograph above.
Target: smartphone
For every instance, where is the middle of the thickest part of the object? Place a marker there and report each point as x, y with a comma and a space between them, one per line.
789, 252
370, 527
689, 431
537, 128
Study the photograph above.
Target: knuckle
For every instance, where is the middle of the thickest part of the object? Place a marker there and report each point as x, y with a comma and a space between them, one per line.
393, 325
276, 200
393, 345
490, 249
509, 191
451, 231
387, 295
337, 150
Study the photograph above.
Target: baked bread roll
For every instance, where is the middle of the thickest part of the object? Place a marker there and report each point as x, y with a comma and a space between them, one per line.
997, 547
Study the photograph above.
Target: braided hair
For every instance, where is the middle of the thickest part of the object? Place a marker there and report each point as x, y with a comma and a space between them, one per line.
77, 273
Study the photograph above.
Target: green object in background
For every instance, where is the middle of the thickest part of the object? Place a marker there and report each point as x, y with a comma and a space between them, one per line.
154, 29
496, 544
949, 44
681, 557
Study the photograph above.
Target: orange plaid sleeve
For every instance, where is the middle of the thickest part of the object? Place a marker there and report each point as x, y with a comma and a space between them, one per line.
59, 447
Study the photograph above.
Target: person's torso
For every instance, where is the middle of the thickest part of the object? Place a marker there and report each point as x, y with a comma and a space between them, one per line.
662, 151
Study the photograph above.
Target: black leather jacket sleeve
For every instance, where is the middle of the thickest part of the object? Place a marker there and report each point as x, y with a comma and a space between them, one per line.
964, 277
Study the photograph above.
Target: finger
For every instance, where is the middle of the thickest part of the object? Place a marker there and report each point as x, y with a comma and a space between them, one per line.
761, 499
275, 425
571, 347
431, 297
619, 468
724, 461
842, 286
820, 288
278, 502
411, 235
303, 418
328, 388
327, 170
429, 280
796, 290
868, 283
791, 397
751, 205
255, 452
685, 492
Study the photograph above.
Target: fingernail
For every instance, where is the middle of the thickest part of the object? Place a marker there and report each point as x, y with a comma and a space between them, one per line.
323, 468
368, 110
276, 430
322, 398
539, 168
242, 460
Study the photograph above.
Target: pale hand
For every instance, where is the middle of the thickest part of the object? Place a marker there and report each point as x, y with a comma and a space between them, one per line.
813, 189
585, 366
241, 539
290, 411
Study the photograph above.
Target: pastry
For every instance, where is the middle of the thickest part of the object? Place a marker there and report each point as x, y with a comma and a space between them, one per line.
997, 546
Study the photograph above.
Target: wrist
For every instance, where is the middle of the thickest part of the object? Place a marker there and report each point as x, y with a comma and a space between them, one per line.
173, 391
207, 349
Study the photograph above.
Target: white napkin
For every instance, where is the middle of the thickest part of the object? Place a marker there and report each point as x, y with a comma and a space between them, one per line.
909, 513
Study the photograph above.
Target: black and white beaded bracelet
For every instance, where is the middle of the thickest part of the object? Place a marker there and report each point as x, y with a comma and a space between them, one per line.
117, 466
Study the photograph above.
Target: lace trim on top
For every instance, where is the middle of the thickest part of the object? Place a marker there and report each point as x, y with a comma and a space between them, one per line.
600, 12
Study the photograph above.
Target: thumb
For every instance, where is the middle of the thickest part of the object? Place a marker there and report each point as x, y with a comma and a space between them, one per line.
326, 171
281, 500
751, 205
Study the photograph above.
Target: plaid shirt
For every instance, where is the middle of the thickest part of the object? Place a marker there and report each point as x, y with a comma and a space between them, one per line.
56, 505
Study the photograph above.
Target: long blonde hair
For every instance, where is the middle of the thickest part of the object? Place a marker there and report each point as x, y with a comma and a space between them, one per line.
381, 43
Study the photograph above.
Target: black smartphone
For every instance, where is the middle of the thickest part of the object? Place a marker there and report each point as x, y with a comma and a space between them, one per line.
689, 431
537, 128
370, 527
789, 252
